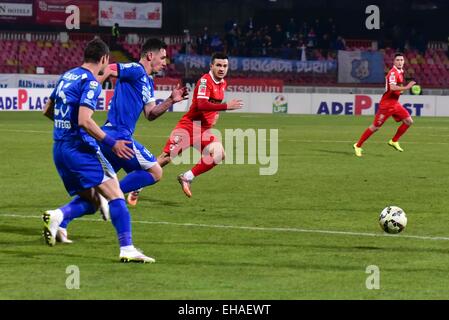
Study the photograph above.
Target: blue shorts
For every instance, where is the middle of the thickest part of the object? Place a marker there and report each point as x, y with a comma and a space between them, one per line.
80, 165
143, 159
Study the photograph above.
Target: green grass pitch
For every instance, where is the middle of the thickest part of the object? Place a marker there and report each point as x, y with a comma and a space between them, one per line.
308, 232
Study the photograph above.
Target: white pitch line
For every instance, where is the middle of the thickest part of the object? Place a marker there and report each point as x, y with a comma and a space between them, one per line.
272, 229
352, 141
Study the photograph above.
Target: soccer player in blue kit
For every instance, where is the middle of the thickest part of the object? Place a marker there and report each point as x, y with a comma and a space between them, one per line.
134, 94
77, 156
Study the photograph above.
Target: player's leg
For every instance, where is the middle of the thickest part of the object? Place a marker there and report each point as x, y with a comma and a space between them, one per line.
121, 220
401, 114
213, 153
381, 116
143, 170
56, 221
180, 139
69, 162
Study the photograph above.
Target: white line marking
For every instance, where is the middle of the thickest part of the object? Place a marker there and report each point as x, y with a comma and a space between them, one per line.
272, 229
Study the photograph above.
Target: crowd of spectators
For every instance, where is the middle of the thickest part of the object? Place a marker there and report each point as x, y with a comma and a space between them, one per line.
288, 40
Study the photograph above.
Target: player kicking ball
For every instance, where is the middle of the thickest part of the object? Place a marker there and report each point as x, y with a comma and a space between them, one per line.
78, 158
193, 128
389, 106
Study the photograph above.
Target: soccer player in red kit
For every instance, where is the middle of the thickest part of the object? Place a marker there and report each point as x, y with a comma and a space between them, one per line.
193, 128
390, 106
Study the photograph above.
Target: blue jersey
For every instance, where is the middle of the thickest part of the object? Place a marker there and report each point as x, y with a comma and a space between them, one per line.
77, 87
134, 89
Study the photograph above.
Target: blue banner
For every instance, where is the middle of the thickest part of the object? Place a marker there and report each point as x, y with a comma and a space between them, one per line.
360, 67
266, 65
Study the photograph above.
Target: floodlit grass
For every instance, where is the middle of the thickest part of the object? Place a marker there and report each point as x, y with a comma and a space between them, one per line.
283, 254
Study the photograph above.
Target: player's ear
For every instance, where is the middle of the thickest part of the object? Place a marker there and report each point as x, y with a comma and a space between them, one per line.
149, 56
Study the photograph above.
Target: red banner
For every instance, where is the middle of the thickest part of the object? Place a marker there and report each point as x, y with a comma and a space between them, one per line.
54, 11
234, 84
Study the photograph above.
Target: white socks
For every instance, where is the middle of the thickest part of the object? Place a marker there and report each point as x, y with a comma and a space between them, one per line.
189, 175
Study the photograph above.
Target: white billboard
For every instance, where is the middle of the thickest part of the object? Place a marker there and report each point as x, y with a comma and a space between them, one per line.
127, 14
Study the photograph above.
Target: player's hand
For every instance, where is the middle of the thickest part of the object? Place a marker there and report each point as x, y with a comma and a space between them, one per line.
411, 84
121, 149
235, 104
179, 93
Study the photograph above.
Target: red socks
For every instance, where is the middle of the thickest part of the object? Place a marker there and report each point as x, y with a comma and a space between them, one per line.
401, 130
205, 164
364, 137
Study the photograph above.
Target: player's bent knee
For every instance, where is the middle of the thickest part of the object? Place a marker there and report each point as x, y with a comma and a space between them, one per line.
408, 121
156, 171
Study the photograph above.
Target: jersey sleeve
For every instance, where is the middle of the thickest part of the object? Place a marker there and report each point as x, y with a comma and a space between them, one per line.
55, 90
149, 96
129, 71
204, 89
392, 78
90, 93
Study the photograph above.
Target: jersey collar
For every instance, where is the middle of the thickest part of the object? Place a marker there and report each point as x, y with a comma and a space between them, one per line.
400, 71
213, 79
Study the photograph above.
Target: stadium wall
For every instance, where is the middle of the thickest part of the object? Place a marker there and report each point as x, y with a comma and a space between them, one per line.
256, 102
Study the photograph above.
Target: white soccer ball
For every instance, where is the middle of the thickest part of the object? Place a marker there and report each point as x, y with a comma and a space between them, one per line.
392, 219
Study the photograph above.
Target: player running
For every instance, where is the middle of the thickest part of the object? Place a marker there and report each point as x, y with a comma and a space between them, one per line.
193, 128
77, 156
390, 106
134, 94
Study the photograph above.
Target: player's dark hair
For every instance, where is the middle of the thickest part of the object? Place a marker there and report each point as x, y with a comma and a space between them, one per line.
152, 44
398, 54
94, 50
218, 55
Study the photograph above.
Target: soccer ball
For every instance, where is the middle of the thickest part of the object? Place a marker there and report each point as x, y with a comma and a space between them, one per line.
392, 219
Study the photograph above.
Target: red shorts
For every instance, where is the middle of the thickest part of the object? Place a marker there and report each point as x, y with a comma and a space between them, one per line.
396, 110
186, 136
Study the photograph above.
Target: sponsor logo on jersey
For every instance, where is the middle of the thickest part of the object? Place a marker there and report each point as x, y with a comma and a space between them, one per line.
71, 76
128, 65
63, 124
202, 90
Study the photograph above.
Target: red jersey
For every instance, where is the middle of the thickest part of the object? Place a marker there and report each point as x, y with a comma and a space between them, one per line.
206, 90
395, 77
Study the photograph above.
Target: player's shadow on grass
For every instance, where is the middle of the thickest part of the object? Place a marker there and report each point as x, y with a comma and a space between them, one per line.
347, 153
152, 201
26, 231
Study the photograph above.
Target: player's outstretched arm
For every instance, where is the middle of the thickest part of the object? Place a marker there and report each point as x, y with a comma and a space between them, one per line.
49, 109
119, 147
153, 111
395, 87
205, 105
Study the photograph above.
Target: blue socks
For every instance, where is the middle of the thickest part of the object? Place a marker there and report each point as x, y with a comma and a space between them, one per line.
136, 180
76, 208
121, 220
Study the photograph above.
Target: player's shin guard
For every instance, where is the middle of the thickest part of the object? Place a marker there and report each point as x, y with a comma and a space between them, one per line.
136, 180
401, 130
205, 164
368, 132
121, 220
78, 207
